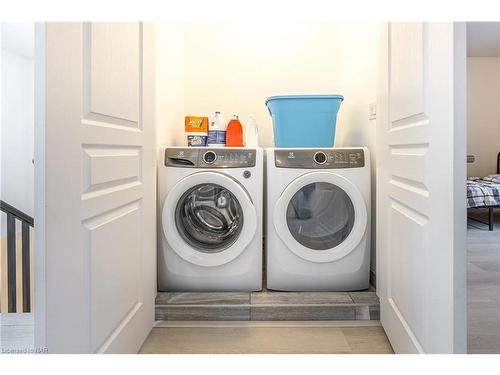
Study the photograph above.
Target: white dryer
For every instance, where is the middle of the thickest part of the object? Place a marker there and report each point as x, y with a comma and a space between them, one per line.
211, 219
318, 219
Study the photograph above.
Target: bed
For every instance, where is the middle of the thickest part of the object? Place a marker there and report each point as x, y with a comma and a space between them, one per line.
485, 193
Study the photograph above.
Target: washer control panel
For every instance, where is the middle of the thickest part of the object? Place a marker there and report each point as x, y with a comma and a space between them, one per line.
328, 158
204, 157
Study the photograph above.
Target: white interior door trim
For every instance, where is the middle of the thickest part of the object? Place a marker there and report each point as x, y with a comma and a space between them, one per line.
39, 308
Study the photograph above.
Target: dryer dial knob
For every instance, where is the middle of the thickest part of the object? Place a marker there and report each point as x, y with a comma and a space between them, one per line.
320, 157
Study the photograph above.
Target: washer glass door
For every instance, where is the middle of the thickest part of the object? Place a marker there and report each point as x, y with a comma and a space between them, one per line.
320, 216
209, 218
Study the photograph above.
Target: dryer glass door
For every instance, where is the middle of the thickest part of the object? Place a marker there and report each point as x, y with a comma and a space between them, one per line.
320, 216
209, 218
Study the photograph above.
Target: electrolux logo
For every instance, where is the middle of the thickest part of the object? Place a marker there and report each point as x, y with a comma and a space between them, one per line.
291, 155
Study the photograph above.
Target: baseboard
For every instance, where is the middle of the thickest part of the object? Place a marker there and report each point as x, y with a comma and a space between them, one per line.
266, 324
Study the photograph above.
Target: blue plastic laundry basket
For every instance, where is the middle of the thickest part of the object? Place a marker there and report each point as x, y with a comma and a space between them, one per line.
304, 120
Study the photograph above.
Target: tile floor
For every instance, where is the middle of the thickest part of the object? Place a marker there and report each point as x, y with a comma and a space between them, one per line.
268, 306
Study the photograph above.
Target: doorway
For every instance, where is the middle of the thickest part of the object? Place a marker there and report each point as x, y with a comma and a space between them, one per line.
353, 73
17, 186
483, 186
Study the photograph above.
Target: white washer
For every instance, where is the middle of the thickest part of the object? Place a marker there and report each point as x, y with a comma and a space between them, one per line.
211, 219
318, 219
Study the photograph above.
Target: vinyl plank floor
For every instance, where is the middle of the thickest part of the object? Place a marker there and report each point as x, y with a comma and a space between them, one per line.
203, 312
267, 338
16, 332
277, 298
268, 305
214, 298
365, 297
367, 340
483, 286
302, 312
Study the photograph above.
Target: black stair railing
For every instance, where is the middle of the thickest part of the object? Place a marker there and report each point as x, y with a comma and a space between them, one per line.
14, 214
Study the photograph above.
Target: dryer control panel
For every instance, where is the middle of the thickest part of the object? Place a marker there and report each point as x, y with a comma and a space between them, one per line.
204, 157
324, 158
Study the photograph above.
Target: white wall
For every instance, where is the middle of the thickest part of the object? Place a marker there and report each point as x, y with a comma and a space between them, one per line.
358, 48
235, 67
17, 127
483, 114
170, 83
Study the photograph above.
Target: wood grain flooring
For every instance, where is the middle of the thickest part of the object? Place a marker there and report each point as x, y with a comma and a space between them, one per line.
267, 338
268, 305
16, 332
483, 286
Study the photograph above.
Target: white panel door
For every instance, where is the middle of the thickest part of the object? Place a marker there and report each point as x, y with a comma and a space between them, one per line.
100, 239
421, 187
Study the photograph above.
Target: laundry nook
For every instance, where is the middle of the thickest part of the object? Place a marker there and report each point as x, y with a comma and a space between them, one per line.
278, 187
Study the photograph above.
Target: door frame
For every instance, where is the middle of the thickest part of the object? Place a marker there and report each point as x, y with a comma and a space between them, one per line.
39, 311
459, 226
459, 186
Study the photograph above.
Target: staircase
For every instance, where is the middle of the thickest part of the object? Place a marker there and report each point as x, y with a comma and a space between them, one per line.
16, 254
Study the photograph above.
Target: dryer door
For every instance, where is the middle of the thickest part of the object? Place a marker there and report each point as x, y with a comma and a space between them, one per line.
321, 216
208, 219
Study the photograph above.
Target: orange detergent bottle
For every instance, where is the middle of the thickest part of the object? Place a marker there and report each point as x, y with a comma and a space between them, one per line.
234, 133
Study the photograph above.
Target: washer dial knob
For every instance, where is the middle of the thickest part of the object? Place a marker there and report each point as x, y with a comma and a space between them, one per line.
209, 157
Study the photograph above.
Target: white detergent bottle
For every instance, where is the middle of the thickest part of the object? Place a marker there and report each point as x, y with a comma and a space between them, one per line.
217, 131
251, 133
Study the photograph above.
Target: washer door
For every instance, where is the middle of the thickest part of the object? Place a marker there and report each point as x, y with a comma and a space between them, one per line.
321, 217
208, 219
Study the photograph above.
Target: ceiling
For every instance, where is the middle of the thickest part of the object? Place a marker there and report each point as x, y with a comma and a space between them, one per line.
483, 39
19, 38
